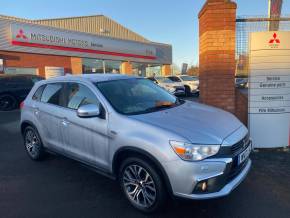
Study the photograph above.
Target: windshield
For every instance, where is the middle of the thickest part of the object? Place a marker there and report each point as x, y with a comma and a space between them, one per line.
163, 80
188, 78
136, 96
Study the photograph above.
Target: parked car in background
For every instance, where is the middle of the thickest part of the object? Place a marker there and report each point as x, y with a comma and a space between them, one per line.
190, 83
176, 88
14, 89
241, 82
132, 130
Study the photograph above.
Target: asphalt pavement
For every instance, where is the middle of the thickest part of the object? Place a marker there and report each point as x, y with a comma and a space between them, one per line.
59, 187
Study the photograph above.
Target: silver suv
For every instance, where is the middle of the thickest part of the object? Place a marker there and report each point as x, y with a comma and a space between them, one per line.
132, 130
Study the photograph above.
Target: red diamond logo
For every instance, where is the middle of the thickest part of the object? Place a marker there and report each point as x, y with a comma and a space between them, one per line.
21, 35
274, 39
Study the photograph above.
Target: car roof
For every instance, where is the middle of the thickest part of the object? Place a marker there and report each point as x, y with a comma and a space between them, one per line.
92, 77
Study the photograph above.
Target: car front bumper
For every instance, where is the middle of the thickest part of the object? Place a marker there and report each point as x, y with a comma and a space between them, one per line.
227, 189
185, 177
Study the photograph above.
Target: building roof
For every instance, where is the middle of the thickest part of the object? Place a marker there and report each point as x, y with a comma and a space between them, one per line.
95, 24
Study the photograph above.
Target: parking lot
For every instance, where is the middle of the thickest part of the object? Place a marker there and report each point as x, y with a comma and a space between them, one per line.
59, 187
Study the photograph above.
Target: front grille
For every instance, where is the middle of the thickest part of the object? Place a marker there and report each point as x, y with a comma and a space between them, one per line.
236, 170
241, 145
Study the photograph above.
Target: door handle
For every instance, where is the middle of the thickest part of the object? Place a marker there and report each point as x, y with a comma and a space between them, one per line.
65, 122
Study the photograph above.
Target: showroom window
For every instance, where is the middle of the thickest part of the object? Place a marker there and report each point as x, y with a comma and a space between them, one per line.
100, 66
112, 66
93, 66
153, 70
139, 69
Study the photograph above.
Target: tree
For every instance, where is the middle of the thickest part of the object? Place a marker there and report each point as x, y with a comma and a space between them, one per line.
193, 71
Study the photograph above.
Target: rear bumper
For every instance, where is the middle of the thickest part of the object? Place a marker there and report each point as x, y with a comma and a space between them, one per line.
227, 189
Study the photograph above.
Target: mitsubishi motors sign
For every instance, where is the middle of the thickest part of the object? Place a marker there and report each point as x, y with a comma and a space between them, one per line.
26, 35
269, 89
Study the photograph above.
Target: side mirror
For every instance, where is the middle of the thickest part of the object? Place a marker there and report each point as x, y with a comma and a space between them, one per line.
89, 110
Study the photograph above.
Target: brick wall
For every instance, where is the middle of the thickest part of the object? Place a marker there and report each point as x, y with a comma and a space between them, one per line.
76, 65
242, 106
217, 28
18, 59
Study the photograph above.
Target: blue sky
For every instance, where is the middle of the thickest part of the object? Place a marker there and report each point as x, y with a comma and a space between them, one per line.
173, 22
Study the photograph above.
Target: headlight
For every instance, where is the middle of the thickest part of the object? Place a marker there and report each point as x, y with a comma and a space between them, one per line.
192, 152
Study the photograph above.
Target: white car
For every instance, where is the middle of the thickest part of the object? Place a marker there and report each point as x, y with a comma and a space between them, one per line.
191, 83
176, 88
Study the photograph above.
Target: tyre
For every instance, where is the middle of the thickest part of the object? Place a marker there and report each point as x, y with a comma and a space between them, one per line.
7, 102
187, 91
142, 185
33, 143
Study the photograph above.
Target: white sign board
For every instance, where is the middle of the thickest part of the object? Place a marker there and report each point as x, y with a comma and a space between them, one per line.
269, 89
48, 38
184, 68
53, 72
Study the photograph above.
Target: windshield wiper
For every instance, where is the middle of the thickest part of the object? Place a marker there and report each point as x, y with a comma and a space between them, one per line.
159, 107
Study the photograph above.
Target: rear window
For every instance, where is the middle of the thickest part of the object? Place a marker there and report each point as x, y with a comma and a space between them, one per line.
52, 94
37, 95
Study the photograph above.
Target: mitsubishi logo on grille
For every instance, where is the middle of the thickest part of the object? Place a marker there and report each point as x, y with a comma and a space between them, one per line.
245, 142
21, 35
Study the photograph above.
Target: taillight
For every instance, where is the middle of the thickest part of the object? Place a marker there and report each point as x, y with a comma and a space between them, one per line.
21, 105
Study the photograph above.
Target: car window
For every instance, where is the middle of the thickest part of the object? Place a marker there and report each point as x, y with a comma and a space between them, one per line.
152, 79
79, 95
136, 96
37, 95
18, 80
174, 79
163, 80
52, 94
188, 78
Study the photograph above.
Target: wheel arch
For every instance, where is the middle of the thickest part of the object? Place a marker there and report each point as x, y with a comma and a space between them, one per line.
25, 124
126, 152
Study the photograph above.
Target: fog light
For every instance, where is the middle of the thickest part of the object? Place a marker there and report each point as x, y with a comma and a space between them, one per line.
201, 187
204, 186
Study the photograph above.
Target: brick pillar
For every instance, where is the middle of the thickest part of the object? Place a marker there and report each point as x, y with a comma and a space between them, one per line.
166, 70
126, 68
217, 38
76, 65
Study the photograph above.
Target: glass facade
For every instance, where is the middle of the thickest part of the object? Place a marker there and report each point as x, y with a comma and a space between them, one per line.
111, 66
139, 69
93, 66
153, 70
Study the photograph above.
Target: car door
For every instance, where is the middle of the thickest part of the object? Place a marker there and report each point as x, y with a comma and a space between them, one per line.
86, 139
19, 86
49, 111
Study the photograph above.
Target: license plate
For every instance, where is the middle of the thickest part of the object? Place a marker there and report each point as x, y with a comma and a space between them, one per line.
245, 154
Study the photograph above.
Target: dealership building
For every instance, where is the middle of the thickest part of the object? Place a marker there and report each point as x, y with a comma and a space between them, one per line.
75, 45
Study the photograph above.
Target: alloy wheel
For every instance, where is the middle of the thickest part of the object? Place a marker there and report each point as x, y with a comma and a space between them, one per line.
32, 143
139, 186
